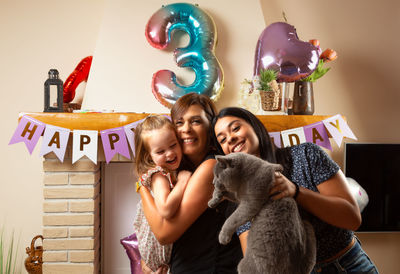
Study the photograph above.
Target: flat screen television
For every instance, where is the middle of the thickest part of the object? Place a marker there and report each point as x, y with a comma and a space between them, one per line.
376, 167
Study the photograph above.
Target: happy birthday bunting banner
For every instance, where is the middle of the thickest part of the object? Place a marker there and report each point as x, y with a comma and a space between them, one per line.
28, 131
276, 138
84, 143
316, 133
55, 139
292, 137
114, 141
338, 128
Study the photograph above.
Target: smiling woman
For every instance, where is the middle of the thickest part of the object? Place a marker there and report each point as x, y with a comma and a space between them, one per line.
194, 228
313, 179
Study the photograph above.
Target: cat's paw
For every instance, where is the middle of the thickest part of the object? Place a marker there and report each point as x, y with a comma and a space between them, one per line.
212, 203
224, 238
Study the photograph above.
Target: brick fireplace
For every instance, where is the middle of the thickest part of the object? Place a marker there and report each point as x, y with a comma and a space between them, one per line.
72, 192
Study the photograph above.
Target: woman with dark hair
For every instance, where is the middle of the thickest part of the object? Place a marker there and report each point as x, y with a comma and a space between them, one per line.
194, 228
313, 179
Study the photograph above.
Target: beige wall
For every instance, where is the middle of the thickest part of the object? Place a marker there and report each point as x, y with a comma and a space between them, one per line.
35, 36
362, 85
363, 81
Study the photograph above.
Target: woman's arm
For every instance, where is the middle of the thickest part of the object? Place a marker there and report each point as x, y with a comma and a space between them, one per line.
333, 204
194, 202
166, 200
243, 241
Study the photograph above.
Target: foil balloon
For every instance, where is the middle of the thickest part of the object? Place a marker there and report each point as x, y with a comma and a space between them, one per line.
279, 48
358, 193
80, 74
198, 55
130, 243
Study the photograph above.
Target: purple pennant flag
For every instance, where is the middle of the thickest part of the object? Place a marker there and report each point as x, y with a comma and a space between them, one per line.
168, 116
28, 131
114, 141
130, 134
55, 139
276, 137
316, 133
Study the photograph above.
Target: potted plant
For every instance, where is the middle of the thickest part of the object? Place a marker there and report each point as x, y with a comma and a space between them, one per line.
269, 89
303, 96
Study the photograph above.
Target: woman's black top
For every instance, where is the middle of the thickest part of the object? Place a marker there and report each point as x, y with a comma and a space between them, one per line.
198, 249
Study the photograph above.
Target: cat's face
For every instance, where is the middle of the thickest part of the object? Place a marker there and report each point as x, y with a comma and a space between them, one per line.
227, 173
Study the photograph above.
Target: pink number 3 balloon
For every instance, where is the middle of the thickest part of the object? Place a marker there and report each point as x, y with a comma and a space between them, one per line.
198, 55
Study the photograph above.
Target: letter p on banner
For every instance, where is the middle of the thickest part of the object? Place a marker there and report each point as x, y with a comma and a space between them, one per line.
114, 141
84, 143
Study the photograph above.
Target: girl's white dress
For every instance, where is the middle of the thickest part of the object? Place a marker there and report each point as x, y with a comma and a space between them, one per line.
152, 252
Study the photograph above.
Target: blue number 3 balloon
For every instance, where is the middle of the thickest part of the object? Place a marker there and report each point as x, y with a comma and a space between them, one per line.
198, 55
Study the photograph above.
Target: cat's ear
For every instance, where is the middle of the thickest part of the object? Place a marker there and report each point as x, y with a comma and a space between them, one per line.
223, 161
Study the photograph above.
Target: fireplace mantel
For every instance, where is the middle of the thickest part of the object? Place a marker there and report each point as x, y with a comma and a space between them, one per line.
102, 121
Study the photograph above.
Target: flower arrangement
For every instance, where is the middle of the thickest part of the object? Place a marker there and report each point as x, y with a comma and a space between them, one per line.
325, 57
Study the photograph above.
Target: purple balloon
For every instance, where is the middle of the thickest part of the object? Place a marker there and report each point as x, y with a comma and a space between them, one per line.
130, 243
279, 48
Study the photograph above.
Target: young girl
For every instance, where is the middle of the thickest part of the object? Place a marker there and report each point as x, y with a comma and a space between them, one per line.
158, 156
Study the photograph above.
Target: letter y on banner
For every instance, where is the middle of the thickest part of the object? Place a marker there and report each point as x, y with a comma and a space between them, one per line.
338, 128
130, 134
84, 142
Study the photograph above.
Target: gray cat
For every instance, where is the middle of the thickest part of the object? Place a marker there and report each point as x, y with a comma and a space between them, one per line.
278, 241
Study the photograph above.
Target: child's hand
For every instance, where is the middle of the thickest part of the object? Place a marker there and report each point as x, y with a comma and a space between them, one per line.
183, 177
145, 268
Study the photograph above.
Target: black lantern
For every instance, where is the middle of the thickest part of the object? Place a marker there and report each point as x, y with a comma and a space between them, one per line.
53, 80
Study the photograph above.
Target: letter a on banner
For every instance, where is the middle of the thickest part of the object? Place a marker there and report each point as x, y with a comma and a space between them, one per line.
84, 142
55, 139
338, 128
292, 137
28, 131
316, 133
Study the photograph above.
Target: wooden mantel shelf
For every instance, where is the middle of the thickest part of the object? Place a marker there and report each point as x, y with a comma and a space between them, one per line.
102, 121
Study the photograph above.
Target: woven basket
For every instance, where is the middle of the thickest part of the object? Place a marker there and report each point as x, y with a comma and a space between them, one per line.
269, 100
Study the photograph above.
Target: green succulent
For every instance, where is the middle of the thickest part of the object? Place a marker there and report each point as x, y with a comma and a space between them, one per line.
266, 76
317, 73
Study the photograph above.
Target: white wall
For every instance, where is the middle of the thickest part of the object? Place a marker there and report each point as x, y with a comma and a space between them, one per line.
35, 36
362, 84
124, 63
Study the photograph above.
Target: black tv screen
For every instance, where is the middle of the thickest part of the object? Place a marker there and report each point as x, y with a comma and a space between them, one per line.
376, 167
